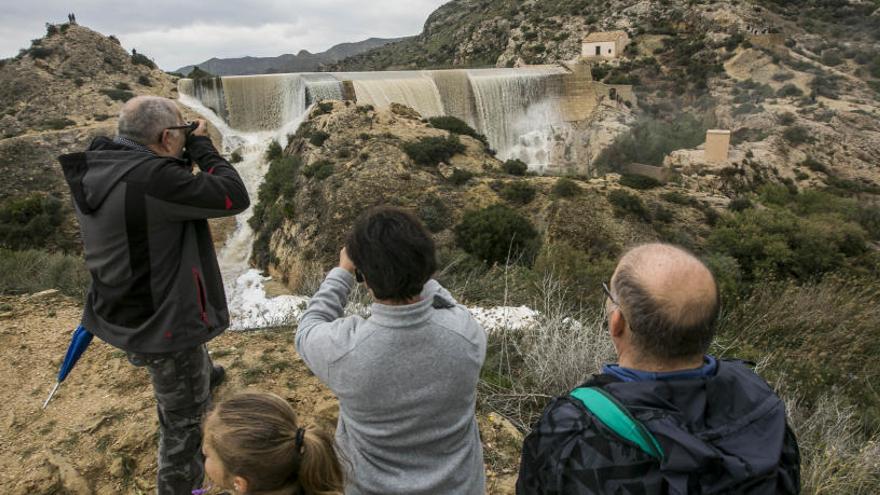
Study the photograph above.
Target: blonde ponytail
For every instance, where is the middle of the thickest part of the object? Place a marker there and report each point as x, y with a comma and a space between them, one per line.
320, 464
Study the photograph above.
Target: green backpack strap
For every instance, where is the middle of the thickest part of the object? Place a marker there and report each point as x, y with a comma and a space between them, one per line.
614, 415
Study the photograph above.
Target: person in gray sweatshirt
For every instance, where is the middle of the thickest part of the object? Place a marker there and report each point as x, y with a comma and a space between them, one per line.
406, 377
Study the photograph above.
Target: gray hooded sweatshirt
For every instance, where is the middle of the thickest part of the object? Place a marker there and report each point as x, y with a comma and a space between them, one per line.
406, 379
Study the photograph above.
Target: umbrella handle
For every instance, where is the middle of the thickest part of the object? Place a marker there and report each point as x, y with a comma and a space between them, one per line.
51, 394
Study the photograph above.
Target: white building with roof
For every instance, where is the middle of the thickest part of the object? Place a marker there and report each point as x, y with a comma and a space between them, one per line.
604, 44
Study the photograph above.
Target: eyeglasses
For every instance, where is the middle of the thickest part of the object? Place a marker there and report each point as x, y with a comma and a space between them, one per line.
189, 126
608, 293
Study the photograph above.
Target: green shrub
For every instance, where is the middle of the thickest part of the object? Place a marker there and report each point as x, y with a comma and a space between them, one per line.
323, 107
815, 165
275, 200
797, 135
273, 151
789, 90
650, 140
639, 181
36, 270
144, 80
628, 203
739, 204
515, 166
519, 192
832, 58
435, 214
29, 221
433, 150
320, 169
678, 198
235, 157
460, 176
117, 94
733, 41
783, 76
318, 137
141, 59
776, 241
457, 126
497, 234
786, 118
40, 52
124, 86
56, 124
566, 188
576, 269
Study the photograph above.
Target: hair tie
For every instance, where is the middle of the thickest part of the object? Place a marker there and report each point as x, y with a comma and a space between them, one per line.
300, 434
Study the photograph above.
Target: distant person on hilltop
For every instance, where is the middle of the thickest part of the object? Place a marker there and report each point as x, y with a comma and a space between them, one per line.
156, 289
253, 444
406, 377
667, 418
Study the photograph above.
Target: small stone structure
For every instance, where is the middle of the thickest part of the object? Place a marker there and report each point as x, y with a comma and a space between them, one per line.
717, 145
660, 174
604, 44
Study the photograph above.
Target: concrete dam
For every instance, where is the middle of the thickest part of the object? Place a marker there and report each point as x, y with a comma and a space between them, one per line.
524, 113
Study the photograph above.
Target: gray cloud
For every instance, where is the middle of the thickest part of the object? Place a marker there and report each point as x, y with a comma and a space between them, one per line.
181, 33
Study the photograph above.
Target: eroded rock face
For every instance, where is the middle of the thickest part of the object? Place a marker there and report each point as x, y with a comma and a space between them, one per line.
368, 167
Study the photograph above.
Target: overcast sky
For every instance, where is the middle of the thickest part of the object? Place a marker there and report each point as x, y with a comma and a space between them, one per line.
176, 33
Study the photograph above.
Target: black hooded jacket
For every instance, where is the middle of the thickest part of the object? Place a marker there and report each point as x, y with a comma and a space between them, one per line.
156, 285
725, 433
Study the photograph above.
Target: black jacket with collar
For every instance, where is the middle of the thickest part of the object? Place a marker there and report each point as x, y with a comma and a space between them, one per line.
156, 285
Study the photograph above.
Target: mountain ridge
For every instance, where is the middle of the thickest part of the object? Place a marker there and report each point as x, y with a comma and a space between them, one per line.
303, 61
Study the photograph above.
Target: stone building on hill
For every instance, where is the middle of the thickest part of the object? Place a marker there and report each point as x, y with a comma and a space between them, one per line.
604, 44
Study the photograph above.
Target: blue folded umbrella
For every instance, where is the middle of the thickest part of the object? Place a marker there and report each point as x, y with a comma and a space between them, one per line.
78, 344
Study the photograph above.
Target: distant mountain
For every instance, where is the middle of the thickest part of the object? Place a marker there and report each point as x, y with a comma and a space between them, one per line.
303, 61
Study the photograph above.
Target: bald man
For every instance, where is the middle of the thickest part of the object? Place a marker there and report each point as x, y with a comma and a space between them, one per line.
666, 418
156, 289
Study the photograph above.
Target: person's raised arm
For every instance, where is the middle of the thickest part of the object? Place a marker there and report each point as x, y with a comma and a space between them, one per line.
217, 191
322, 335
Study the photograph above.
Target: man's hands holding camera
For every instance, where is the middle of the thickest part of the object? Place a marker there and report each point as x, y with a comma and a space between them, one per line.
201, 129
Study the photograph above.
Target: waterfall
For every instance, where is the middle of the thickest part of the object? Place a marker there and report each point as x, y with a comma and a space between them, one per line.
414, 89
264, 102
322, 87
518, 110
456, 95
249, 307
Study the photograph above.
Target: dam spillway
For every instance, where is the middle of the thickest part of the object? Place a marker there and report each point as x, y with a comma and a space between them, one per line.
516, 109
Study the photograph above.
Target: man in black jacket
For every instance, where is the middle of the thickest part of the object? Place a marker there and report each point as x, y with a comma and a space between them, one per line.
156, 288
713, 426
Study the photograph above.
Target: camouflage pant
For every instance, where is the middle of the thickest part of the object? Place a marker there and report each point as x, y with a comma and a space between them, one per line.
182, 385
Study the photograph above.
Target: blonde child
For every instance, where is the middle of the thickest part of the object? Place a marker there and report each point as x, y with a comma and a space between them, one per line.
254, 446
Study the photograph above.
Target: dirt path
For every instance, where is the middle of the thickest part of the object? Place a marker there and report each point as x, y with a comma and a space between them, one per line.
99, 433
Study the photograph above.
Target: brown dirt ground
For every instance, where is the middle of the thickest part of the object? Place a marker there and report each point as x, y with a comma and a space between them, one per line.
99, 434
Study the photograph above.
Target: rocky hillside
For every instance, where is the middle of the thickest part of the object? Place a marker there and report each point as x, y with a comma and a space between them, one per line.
346, 158
55, 97
304, 61
799, 86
